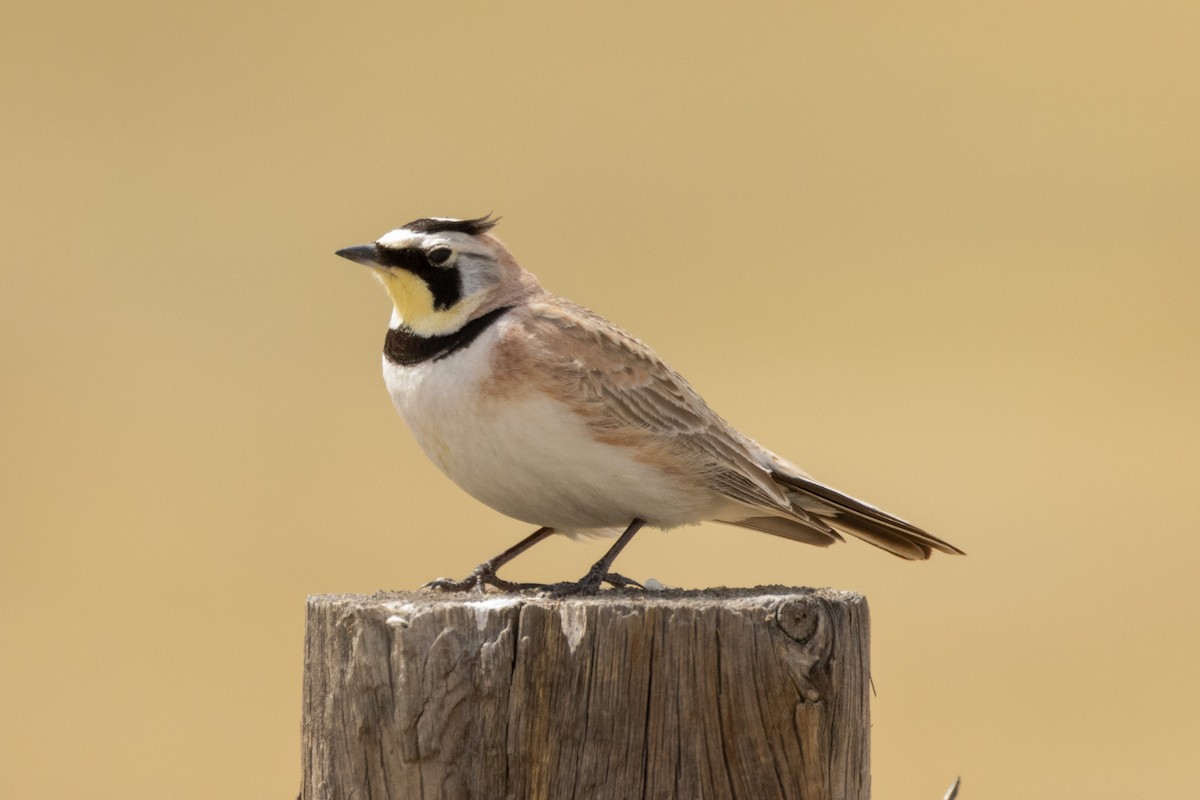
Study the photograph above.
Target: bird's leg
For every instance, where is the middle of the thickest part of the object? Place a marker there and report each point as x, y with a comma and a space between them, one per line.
590, 583
485, 574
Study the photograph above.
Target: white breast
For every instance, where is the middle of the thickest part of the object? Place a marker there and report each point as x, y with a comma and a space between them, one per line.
528, 456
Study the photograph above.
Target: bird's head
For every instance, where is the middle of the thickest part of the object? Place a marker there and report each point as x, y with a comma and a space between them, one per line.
442, 273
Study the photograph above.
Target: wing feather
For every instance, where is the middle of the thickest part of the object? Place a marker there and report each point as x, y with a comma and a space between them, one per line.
628, 394
623, 389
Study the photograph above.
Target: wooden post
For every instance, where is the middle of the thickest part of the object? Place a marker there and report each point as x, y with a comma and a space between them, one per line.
748, 693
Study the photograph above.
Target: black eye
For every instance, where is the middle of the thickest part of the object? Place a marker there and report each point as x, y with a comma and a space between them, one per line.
439, 255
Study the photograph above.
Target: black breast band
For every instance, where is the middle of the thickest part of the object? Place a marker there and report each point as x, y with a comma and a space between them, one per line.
406, 348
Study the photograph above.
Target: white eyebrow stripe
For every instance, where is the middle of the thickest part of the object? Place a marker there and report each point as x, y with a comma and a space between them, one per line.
398, 238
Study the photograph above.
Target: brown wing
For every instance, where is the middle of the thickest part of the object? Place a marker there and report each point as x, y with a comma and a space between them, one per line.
628, 395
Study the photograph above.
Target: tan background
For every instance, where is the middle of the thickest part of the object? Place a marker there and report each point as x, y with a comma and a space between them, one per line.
942, 255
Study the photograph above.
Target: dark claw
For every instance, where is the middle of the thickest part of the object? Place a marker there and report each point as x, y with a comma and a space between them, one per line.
485, 575
589, 585
480, 578
619, 581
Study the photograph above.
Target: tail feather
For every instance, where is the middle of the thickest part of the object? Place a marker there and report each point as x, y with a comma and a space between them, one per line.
814, 532
861, 519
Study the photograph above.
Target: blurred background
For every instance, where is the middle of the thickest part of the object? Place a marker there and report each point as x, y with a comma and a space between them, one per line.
944, 256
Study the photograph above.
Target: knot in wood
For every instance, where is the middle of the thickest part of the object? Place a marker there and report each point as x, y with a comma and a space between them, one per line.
806, 622
800, 619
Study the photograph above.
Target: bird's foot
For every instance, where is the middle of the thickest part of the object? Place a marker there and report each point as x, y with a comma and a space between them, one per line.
480, 578
619, 581
590, 584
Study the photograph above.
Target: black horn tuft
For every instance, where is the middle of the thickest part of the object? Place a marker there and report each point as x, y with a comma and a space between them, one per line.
472, 227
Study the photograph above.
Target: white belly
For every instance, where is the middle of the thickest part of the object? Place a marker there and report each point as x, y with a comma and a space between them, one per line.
528, 456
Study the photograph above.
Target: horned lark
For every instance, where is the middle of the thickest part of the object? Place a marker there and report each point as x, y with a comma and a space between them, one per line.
553, 415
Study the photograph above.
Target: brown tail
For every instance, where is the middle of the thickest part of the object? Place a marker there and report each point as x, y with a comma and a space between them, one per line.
860, 519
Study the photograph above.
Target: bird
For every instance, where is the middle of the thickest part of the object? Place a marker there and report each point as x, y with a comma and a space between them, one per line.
552, 415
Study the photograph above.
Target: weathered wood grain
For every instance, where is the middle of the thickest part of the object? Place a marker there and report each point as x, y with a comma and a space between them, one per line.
755, 694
